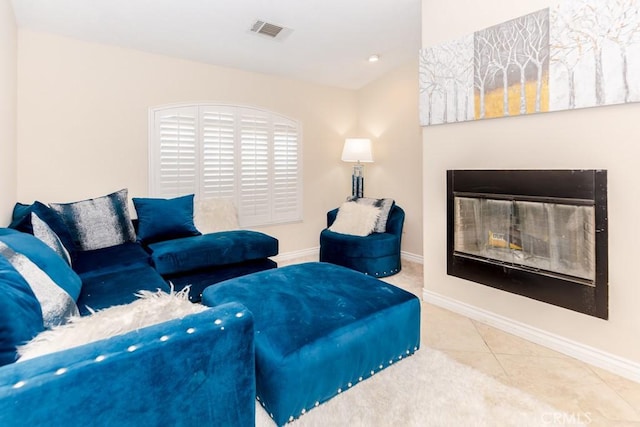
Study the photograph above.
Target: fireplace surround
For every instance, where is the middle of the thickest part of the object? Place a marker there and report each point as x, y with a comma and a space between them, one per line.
541, 234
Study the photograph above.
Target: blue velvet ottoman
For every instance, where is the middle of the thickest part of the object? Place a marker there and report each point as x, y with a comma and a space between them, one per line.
319, 330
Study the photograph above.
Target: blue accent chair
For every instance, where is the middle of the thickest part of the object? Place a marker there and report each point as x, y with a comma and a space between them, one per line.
377, 254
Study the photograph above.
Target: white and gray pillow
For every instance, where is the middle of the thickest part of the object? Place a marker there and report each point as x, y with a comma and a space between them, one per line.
356, 219
384, 205
42, 231
98, 223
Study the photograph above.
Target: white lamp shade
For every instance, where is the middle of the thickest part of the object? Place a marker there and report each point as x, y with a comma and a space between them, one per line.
357, 150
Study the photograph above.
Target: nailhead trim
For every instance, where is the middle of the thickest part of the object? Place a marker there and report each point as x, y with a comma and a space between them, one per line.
349, 384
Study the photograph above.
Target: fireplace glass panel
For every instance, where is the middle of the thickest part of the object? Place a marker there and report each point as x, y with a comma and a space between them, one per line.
551, 238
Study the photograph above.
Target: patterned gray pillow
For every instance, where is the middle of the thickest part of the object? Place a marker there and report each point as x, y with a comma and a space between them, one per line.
385, 206
56, 304
42, 231
98, 223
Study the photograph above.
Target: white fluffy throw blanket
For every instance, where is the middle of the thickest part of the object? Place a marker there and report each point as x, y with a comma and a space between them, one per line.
150, 309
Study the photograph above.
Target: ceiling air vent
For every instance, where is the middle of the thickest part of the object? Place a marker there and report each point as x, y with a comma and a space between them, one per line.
268, 29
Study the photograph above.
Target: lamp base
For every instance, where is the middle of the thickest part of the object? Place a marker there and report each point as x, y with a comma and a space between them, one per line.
357, 181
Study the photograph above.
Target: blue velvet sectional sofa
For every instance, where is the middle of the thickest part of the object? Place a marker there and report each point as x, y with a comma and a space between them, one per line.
193, 371
161, 246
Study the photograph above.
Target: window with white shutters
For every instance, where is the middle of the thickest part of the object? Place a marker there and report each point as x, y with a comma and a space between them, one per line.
246, 154
218, 152
175, 154
286, 169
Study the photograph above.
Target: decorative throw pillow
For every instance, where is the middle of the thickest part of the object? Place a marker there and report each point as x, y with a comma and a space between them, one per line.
152, 308
43, 232
211, 215
46, 259
20, 313
355, 219
164, 219
21, 217
55, 223
385, 206
98, 223
56, 304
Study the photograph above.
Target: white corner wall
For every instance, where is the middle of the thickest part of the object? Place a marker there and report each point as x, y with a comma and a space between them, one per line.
82, 122
603, 138
388, 114
8, 105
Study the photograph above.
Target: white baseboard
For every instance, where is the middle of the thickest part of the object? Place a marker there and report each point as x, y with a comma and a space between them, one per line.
412, 257
288, 256
610, 362
310, 252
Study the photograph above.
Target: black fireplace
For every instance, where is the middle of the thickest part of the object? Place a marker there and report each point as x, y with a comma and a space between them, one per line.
536, 233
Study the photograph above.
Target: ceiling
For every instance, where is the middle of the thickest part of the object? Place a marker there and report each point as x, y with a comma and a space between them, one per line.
329, 43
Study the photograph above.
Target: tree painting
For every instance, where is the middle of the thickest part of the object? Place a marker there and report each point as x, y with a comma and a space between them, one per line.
446, 82
575, 54
513, 59
595, 53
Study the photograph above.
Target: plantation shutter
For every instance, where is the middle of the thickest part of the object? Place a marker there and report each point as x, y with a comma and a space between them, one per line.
286, 170
218, 152
245, 154
177, 169
254, 194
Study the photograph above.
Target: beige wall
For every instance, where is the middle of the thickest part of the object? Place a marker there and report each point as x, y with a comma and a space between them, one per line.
83, 127
388, 113
590, 138
8, 105
83, 111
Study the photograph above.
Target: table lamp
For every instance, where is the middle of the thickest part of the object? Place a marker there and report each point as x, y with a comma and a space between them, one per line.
357, 150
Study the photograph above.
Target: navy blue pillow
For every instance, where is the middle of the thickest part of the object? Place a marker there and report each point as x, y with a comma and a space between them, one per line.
22, 222
164, 219
20, 313
21, 218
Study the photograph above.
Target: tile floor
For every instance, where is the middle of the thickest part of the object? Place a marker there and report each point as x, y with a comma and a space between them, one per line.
585, 393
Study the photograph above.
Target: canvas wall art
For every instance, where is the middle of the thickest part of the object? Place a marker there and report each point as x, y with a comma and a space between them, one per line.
574, 54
